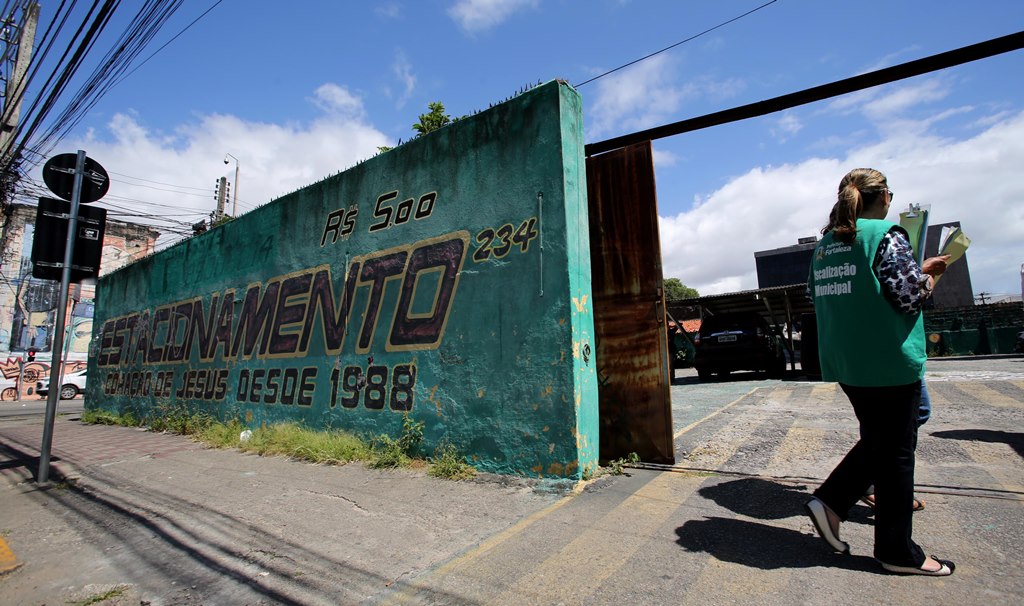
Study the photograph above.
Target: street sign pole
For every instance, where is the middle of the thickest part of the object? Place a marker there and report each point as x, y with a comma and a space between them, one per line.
56, 368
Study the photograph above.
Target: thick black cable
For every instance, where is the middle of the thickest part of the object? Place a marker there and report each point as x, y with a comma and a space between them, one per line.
165, 44
31, 149
150, 18
97, 25
902, 71
59, 21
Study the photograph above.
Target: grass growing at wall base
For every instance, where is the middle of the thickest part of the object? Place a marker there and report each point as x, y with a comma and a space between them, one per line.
331, 446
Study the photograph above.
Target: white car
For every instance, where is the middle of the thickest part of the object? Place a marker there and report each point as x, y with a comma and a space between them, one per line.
73, 384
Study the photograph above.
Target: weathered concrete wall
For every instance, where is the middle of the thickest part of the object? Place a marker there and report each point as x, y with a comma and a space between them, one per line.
448, 279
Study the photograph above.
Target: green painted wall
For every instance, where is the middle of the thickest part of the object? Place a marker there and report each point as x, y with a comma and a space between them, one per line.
448, 278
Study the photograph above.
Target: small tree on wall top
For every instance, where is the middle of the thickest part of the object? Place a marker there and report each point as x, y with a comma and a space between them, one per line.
429, 122
432, 120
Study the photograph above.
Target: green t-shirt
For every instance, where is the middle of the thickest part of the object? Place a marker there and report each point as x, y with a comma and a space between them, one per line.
863, 339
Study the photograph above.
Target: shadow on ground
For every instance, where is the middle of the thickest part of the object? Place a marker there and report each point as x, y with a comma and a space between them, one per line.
768, 500
762, 546
1012, 439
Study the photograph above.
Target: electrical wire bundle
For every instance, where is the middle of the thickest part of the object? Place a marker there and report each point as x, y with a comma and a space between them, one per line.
43, 124
64, 95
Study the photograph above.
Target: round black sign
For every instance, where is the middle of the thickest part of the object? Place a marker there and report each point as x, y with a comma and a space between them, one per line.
59, 176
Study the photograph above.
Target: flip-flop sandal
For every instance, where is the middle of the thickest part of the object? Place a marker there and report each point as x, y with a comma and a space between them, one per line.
947, 567
918, 503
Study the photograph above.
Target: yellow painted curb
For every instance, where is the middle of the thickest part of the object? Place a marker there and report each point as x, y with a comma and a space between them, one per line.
8, 561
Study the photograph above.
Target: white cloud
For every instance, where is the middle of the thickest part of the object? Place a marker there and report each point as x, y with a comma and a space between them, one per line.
719, 90
273, 159
478, 15
895, 101
337, 100
893, 58
648, 94
663, 158
786, 126
888, 103
975, 181
388, 10
639, 97
403, 72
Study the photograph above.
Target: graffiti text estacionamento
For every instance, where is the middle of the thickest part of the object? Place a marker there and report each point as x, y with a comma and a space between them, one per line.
278, 318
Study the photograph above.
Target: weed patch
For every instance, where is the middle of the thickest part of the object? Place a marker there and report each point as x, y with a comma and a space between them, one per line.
389, 452
101, 597
101, 417
179, 419
331, 446
447, 463
617, 467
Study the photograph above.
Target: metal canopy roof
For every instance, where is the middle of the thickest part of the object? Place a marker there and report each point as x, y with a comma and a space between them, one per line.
777, 305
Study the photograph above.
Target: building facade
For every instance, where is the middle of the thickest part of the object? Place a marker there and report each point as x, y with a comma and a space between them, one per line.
28, 306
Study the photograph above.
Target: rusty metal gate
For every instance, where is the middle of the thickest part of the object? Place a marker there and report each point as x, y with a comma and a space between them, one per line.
629, 306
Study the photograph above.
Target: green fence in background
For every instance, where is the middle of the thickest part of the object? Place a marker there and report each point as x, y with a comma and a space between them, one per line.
972, 342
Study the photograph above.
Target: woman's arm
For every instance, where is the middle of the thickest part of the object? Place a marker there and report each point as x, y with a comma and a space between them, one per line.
903, 282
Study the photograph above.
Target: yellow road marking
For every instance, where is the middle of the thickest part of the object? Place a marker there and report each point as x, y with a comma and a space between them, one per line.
798, 454
824, 391
996, 459
709, 417
8, 561
608, 544
740, 582
988, 396
478, 552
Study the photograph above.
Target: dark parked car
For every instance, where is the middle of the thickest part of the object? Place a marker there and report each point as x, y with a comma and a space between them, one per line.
738, 341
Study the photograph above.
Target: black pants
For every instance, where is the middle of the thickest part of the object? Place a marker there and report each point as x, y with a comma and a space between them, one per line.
884, 456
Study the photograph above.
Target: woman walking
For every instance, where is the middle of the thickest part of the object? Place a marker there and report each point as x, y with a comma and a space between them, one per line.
868, 291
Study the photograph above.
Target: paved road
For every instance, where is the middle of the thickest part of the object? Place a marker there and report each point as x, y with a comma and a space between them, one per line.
175, 523
35, 407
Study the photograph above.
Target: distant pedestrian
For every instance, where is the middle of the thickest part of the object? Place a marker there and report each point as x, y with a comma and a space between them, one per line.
868, 291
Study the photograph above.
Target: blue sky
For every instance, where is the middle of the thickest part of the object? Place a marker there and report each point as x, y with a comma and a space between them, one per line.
298, 91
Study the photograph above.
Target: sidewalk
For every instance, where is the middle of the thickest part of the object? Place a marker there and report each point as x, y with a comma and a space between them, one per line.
174, 523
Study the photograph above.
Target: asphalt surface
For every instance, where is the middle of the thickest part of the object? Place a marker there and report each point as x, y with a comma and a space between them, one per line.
26, 407
163, 520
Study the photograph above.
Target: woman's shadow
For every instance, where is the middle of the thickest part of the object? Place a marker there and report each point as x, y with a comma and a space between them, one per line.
761, 545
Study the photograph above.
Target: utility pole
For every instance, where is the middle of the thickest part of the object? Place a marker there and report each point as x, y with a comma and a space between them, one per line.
220, 194
982, 297
16, 82
234, 196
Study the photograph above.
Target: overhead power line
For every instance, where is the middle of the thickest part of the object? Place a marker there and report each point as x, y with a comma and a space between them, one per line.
670, 47
149, 19
966, 54
57, 108
202, 189
166, 44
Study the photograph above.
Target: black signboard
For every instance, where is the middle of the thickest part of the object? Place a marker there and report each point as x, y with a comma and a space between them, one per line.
50, 240
59, 176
